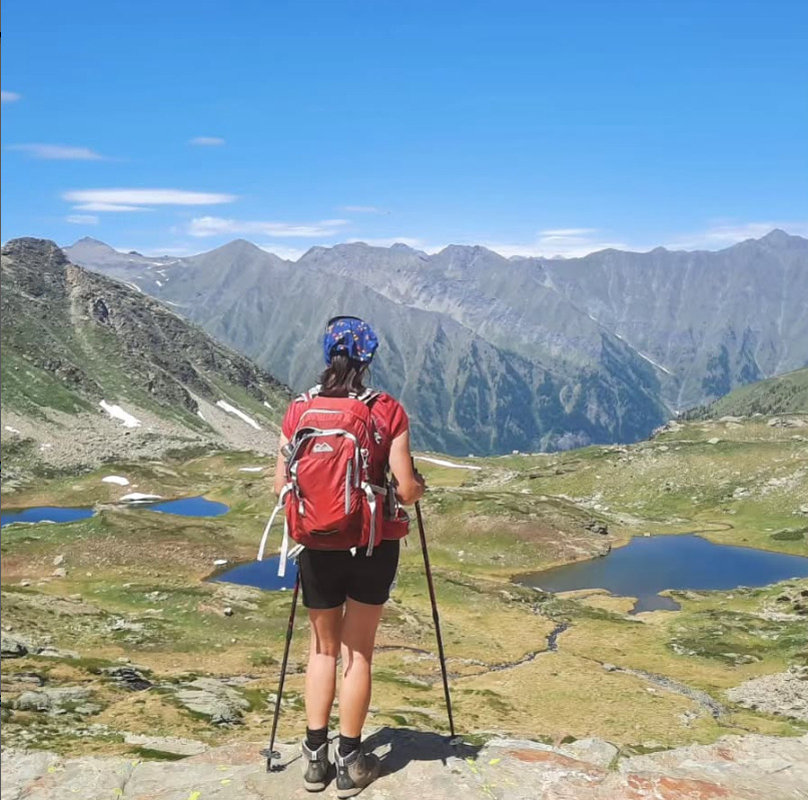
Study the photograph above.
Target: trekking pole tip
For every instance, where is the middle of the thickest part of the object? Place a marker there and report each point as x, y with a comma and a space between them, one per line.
272, 755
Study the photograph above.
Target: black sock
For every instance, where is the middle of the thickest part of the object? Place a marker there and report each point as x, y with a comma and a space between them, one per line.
316, 738
347, 744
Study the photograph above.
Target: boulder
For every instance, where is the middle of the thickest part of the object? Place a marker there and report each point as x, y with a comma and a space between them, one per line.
213, 698
786, 422
12, 647
129, 678
33, 701
597, 527
53, 699
593, 751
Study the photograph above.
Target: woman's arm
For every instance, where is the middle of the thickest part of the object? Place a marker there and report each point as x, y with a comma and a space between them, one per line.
280, 466
411, 485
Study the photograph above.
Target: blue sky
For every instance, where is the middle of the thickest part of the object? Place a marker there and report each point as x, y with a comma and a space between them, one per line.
531, 127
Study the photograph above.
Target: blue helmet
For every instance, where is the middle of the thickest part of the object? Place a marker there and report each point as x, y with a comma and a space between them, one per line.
350, 336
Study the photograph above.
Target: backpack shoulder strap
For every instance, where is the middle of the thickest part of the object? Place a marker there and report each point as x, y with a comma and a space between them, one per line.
368, 397
311, 393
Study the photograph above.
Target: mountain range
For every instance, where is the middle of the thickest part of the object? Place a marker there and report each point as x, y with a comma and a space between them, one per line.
492, 354
95, 370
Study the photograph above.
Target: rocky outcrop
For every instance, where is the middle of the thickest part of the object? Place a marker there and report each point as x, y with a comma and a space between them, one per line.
214, 699
48, 699
76, 345
416, 764
12, 647
784, 693
17, 647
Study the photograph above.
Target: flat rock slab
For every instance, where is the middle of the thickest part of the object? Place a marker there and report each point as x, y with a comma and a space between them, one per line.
424, 765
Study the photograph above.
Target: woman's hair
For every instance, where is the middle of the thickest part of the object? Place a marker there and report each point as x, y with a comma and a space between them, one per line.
342, 377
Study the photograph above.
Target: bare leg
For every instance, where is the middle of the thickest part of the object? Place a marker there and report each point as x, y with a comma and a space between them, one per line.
321, 673
358, 637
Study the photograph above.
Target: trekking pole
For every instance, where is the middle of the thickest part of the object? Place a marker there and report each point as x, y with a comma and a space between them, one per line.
270, 752
454, 739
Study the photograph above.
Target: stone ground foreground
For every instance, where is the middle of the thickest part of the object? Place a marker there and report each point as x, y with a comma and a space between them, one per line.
424, 766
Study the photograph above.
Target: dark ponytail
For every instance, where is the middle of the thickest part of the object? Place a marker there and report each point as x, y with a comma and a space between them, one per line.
343, 376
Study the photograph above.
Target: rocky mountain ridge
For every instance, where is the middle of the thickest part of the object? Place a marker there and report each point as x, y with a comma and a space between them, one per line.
464, 392
493, 354
93, 369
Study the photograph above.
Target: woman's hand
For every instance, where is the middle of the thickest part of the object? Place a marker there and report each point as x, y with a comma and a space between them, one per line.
410, 483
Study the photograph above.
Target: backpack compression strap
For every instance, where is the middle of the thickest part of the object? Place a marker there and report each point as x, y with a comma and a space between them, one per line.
367, 397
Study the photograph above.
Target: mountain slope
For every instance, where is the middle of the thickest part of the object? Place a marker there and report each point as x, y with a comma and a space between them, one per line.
72, 340
466, 391
783, 394
713, 320
492, 354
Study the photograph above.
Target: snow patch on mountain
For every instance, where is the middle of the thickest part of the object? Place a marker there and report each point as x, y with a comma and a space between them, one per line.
239, 413
443, 463
116, 412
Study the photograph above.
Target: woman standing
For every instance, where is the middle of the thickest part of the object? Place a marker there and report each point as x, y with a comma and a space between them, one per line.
345, 591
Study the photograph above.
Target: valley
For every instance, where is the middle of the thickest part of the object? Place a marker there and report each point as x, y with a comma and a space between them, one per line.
113, 641
158, 443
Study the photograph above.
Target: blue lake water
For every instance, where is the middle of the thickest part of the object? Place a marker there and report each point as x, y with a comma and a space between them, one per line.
44, 514
649, 565
184, 507
188, 507
261, 574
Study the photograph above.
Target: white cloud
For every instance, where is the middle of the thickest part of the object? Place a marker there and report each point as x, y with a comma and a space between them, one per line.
364, 210
82, 219
568, 232
207, 141
389, 241
283, 251
578, 242
9, 97
58, 152
558, 242
109, 207
147, 197
725, 234
217, 226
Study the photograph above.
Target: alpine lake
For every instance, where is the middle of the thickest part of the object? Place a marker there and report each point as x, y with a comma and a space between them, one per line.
552, 628
184, 507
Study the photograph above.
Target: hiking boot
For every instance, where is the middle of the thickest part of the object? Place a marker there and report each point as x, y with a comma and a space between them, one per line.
355, 771
315, 768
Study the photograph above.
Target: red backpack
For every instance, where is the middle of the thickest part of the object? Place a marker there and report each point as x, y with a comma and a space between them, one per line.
329, 498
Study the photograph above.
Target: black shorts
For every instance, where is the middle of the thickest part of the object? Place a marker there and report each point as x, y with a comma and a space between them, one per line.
329, 576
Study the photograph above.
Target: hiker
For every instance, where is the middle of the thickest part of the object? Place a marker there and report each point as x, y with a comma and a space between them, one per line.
345, 590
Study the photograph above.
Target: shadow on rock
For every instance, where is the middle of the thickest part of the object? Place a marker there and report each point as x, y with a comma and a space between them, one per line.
397, 747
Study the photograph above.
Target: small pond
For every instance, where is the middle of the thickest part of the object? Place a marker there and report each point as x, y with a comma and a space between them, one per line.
261, 574
188, 507
44, 514
649, 565
184, 507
